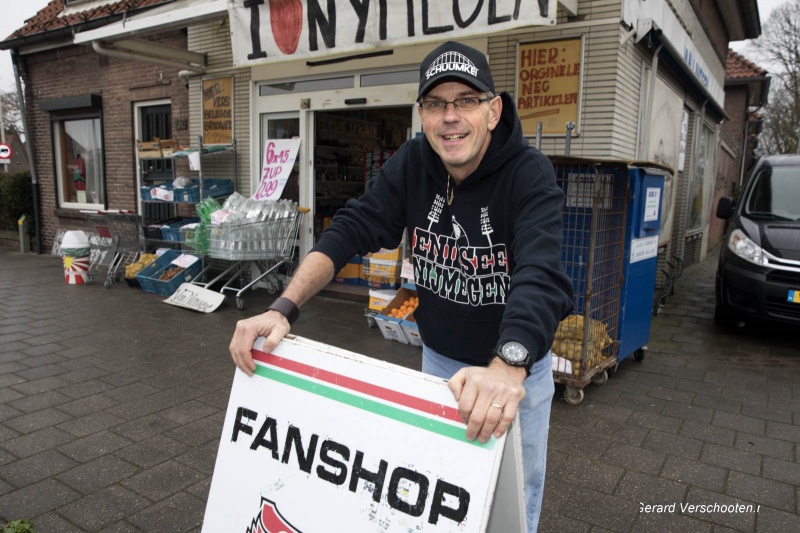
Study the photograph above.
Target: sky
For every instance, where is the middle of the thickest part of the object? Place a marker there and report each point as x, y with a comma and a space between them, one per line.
14, 19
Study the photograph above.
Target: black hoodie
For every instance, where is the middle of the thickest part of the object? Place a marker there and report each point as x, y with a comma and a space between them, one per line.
488, 267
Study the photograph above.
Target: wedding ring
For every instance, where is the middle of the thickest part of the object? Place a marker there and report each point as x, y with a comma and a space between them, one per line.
498, 406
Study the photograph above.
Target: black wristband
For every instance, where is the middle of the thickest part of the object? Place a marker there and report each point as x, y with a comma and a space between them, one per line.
286, 307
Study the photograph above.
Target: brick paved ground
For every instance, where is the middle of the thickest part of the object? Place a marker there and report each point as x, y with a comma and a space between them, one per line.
111, 407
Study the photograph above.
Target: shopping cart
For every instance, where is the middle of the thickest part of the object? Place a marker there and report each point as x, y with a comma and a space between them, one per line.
260, 248
117, 242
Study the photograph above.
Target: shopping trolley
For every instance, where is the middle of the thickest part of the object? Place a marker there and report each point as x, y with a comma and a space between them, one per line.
266, 245
117, 242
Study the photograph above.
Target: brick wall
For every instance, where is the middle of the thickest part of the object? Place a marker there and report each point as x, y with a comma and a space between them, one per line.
711, 19
78, 70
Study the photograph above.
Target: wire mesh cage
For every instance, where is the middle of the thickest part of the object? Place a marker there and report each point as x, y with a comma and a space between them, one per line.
594, 222
117, 242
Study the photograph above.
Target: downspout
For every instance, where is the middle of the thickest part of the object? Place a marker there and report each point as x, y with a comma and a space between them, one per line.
744, 147
29, 149
650, 96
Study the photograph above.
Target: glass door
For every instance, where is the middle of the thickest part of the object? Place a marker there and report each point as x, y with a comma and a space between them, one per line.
285, 125
282, 126
154, 120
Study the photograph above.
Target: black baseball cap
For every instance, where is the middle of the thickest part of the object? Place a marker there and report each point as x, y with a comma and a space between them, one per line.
453, 60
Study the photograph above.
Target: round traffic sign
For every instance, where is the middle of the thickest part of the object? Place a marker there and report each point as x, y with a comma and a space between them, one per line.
5, 151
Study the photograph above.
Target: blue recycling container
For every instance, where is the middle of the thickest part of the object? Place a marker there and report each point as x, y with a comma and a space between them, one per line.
640, 261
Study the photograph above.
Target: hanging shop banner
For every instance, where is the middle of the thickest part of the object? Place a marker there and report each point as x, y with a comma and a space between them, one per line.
218, 111
279, 156
548, 85
320, 439
280, 30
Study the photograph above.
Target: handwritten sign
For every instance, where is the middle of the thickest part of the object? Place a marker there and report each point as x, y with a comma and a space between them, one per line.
548, 85
185, 260
263, 32
279, 156
157, 193
218, 111
320, 436
196, 298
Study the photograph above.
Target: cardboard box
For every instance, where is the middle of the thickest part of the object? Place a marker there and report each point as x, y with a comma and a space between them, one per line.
378, 299
351, 273
168, 147
380, 273
387, 255
411, 331
391, 327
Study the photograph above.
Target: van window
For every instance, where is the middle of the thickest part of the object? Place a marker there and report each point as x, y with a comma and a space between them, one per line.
775, 194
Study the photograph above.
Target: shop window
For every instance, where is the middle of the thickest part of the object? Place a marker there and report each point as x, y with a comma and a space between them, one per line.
78, 159
702, 180
326, 84
390, 78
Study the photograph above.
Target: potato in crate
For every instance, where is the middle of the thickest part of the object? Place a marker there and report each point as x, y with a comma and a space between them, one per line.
164, 275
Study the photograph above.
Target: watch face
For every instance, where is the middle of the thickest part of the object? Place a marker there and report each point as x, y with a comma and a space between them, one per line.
514, 352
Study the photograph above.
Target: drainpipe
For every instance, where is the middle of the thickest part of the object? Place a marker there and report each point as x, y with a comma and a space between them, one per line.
183, 75
744, 147
29, 149
133, 56
650, 96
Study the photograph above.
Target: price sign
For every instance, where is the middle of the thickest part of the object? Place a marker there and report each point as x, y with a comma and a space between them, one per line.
279, 156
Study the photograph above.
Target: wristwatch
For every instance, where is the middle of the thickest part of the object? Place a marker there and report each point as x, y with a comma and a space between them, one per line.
514, 354
286, 307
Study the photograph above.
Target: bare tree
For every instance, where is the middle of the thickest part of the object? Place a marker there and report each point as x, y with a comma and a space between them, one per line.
779, 49
12, 118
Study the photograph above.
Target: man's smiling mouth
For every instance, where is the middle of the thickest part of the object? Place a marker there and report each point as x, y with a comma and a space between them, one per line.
453, 137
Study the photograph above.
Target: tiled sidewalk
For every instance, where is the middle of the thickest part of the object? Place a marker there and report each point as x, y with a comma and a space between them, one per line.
111, 407
711, 416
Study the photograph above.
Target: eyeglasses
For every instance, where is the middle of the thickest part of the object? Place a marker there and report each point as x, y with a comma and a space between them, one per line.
439, 107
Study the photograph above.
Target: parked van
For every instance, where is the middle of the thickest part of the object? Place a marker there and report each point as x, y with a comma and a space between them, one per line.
758, 274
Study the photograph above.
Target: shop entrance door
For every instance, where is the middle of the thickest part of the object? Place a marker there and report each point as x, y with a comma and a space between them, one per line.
350, 146
284, 125
154, 120
336, 136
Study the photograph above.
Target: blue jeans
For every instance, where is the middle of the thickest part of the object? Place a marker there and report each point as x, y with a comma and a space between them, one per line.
534, 414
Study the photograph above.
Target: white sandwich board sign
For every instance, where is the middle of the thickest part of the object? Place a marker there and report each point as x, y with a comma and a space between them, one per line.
320, 439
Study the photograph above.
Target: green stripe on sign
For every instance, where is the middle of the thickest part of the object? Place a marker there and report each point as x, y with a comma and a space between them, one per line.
380, 409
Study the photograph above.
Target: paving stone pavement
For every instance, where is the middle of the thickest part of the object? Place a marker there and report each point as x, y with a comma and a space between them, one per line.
112, 403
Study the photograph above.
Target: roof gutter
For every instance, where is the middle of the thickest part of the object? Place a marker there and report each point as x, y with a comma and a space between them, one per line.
67, 32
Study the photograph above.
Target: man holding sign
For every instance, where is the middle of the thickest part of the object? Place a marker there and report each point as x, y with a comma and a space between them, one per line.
483, 212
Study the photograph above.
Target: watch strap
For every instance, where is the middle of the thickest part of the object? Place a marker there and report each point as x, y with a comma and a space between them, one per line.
527, 363
286, 307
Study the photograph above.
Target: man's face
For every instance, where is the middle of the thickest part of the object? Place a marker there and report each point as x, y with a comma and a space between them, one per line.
460, 136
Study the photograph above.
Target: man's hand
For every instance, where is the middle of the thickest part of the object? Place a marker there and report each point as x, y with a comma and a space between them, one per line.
488, 398
271, 325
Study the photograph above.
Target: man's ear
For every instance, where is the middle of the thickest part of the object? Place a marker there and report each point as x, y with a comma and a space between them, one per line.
495, 111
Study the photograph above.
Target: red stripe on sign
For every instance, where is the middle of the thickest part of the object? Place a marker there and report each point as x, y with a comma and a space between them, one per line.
406, 400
